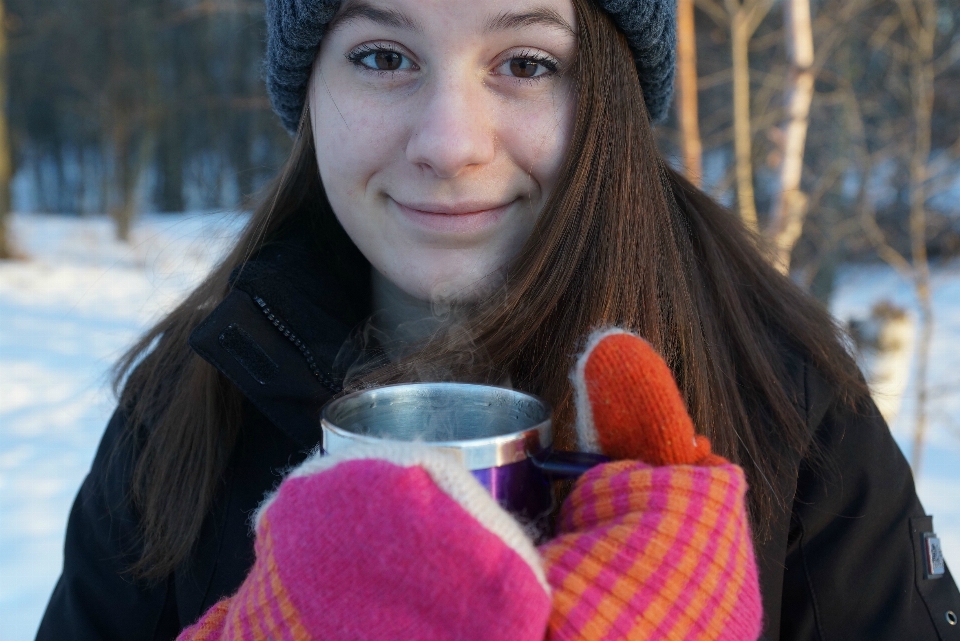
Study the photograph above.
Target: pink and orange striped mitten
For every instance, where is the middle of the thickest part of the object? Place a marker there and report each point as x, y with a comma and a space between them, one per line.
656, 547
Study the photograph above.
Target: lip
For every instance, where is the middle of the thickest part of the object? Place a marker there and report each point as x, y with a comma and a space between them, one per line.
455, 218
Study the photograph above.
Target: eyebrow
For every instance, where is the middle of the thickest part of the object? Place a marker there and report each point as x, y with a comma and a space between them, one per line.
505, 21
384, 17
538, 16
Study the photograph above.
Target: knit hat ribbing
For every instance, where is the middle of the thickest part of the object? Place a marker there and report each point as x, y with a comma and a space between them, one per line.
295, 28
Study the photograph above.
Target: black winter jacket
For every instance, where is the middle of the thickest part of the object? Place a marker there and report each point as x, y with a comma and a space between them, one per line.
845, 563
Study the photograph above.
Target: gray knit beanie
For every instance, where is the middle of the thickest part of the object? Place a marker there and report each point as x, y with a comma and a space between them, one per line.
295, 27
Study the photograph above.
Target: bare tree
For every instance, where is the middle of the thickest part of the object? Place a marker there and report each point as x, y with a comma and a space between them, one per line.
687, 91
745, 17
790, 203
917, 19
131, 98
114, 95
920, 20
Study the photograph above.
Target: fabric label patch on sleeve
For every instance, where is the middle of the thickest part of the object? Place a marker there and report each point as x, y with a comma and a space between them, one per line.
934, 566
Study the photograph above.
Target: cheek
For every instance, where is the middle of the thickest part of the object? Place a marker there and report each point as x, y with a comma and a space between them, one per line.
353, 138
538, 138
345, 160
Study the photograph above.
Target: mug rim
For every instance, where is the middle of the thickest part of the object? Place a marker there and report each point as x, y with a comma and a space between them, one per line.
475, 453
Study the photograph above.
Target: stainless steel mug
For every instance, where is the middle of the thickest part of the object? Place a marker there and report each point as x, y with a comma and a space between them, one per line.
502, 436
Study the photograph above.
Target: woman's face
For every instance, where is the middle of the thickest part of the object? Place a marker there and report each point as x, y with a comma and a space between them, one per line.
440, 128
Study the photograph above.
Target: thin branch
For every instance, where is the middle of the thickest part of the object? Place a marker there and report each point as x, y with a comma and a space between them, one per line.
717, 13
725, 183
911, 19
766, 41
866, 212
826, 181
868, 219
715, 79
947, 59
756, 13
882, 34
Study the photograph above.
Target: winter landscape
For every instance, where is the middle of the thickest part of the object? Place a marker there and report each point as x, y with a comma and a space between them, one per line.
79, 298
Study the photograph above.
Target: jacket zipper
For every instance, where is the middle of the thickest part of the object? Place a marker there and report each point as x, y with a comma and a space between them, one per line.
281, 327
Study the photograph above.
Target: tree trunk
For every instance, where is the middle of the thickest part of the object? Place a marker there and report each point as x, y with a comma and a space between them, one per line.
740, 34
923, 362
122, 210
924, 32
6, 153
687, 91
790, 203
133, 156
170, 155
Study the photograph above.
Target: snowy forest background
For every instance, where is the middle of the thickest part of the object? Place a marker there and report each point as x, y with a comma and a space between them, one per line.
134, 135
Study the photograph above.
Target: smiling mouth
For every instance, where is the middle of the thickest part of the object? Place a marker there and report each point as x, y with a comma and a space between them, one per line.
464, 209
459, 219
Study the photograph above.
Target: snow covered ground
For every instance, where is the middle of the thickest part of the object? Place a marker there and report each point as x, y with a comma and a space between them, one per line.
65, 317
82, 298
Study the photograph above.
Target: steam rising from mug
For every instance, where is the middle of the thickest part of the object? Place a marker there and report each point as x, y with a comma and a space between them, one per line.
378, 351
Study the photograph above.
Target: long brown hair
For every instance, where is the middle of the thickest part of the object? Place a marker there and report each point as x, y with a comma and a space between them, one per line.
623, 240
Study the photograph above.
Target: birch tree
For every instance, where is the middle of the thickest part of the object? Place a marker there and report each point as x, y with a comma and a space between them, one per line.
920, 21
790, 203
745, 17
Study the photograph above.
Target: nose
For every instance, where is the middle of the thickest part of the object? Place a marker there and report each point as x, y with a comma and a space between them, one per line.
455, 131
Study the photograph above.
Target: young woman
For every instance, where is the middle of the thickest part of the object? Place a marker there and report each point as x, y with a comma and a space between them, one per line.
493, 159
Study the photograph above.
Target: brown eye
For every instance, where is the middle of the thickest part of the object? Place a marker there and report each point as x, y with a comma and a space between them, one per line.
377, 58
524, 68
387, 60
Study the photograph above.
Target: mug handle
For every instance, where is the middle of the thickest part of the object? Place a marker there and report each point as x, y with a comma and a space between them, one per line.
556, 464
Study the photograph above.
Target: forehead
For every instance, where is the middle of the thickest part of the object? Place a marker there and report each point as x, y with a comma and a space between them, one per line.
477, 16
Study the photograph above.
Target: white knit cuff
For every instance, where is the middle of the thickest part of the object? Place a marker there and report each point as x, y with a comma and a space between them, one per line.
587, 439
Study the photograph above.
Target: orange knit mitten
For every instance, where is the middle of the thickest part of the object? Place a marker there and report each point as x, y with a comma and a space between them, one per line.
629, 407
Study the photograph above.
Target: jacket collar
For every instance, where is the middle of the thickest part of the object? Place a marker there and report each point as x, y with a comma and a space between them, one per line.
277, 333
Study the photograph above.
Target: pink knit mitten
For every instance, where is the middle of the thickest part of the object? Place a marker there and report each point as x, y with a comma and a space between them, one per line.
655, 550
384, 542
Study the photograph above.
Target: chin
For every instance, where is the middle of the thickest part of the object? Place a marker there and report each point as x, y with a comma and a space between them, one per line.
452, 288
